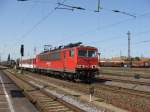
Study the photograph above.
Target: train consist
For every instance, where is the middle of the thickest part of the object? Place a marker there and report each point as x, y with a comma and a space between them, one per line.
134, 64
74, 61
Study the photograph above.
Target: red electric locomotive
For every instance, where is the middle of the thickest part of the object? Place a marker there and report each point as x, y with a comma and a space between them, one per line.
74, 61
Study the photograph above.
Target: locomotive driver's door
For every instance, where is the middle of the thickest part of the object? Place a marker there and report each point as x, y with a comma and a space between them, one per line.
64, 61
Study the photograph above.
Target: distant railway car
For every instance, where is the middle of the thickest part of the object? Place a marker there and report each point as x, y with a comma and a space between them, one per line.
74, 61
136, 64
111, 64
141, 64
28, 63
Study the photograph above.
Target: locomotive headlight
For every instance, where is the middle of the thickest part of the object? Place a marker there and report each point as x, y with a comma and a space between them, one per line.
85, 66
80, 66
94, 66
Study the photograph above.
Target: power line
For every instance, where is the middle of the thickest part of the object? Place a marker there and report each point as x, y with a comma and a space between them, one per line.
124, 13
38, 23
60, 4
108, 26
141, 42
121, 37
29, 11
100, 28
69, 7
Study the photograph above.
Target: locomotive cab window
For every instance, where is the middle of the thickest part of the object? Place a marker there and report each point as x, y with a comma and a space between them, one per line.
71, 52
92, 53
87, 53
82, 53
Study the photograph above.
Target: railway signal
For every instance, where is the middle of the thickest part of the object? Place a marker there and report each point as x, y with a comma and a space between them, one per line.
22, 54
22, 50
8, 59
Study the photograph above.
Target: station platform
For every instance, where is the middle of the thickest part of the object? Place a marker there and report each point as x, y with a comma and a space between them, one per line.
11, 97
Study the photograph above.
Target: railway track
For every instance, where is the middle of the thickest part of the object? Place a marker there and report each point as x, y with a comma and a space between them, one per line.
122, 90
118, 79
126, 69
125, 73
98, 86
125, 98
44, 101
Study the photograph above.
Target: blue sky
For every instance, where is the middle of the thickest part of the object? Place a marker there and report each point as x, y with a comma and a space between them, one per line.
23, 23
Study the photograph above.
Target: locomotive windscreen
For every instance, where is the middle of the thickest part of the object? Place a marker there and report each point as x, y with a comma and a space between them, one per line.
87, 53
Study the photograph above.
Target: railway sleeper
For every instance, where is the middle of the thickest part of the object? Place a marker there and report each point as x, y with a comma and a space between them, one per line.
59, 110
50, 104
38, 96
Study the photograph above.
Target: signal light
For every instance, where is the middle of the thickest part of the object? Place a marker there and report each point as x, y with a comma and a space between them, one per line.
22, 50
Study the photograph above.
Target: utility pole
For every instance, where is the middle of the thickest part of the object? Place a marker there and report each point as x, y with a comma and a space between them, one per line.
0, 57
98, 6
129, 48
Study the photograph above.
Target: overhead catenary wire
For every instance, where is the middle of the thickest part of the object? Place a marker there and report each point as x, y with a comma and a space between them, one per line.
25, 35
69, 7
58, 5
106, 27
141, 42
99, 7
37, 24
27, 15
109, 48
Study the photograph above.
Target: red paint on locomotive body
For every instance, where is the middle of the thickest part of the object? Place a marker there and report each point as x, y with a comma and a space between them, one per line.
90, 59
69, 59
75, 60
